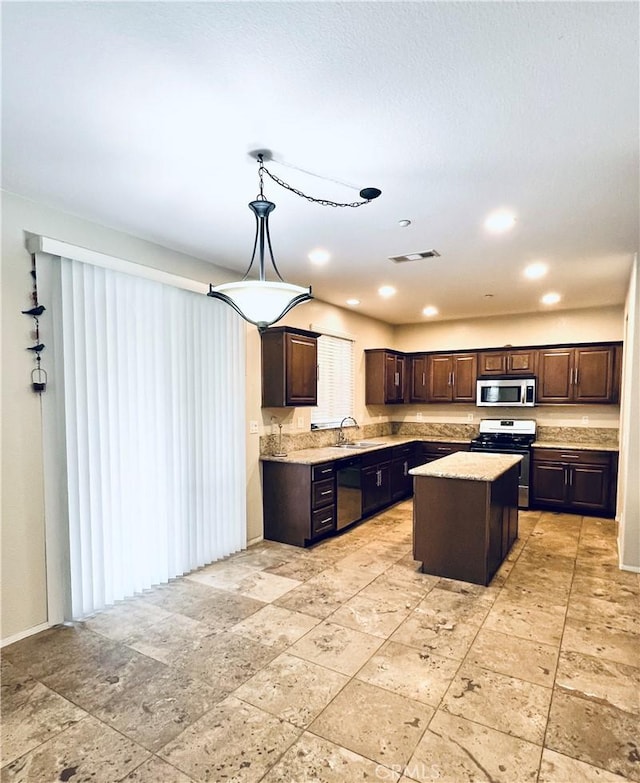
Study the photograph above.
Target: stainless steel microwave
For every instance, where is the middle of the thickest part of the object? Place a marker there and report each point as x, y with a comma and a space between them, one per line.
511, 392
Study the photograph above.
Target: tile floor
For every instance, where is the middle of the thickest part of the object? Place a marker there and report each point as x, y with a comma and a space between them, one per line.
345, 663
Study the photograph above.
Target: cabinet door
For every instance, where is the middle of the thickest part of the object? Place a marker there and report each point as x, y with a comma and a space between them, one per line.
440, 379
521, 362
376, 487
492, 363
465, 372
589, 487
555, 373
593, 374
302, 370
549, 483
401, 481
390, 378
418, 392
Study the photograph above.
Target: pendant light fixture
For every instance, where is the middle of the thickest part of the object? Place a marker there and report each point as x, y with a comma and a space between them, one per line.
263, 302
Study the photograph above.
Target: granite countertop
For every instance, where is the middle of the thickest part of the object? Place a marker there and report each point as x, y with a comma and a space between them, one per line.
468, 465
318, 454
329, 453
577, 446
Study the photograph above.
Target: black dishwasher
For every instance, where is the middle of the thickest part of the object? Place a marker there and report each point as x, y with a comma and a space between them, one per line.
349, 492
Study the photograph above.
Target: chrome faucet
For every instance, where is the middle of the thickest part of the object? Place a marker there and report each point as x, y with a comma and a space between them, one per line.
341, 436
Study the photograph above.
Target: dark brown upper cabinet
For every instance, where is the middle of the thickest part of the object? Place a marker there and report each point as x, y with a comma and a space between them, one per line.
452, 377
517, 362
289, 367
585, 374
385, 376
418, 376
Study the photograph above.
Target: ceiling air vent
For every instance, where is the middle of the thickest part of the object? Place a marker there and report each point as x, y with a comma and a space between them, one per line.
414, 256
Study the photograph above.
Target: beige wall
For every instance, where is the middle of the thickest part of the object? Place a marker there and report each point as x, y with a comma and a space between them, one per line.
569, 326
629, 483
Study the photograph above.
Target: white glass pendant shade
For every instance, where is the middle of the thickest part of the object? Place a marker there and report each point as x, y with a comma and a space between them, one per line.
261, 302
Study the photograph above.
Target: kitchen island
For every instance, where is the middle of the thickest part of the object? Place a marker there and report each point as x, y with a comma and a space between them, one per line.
465, 514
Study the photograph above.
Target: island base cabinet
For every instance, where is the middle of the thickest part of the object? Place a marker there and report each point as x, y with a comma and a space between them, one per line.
464, 529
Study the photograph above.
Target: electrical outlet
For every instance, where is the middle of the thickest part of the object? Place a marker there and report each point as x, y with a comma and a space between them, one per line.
585, 419
253, 427
469, 416
419, 416
300, 422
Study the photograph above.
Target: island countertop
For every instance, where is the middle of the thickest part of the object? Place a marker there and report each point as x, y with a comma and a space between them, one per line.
468, 465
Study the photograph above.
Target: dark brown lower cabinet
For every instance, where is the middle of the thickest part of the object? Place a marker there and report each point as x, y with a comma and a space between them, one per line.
298, 501
573, 480
375, 482
402, 460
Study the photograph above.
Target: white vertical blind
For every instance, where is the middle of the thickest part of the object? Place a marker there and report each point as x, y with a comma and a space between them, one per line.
336, 381
153, 403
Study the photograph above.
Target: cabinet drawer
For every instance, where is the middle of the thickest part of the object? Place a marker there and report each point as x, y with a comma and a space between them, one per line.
322, 520
572, 456
322, 493
402, 452
321, 472
434, 450
376, 457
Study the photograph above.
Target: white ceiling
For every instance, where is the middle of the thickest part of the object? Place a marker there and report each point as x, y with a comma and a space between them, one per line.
140, 116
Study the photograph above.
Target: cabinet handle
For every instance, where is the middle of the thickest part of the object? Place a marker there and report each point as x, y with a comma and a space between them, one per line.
317, 372
424, 379
575, 377
571, 377
327, 492
442, 448
570, 473
570, 456
406, 467
324, 521
397, 379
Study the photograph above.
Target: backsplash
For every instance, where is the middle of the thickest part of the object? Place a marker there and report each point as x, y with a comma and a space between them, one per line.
602, 435
435, 430
430, 430
321, 438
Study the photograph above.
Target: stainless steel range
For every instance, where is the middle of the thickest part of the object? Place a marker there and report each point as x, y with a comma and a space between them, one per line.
509, 436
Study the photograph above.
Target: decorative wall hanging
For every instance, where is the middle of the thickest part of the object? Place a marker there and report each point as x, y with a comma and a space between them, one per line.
38, 375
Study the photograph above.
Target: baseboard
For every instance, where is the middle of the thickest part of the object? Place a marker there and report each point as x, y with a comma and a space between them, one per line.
16, 637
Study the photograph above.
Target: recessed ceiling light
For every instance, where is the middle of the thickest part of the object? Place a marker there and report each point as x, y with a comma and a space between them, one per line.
319, 256
498, 222
430, 310
386, 290
353, 302
551, 298
535, 271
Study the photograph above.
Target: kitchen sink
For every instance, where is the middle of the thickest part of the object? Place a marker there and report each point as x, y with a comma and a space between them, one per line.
359, 444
